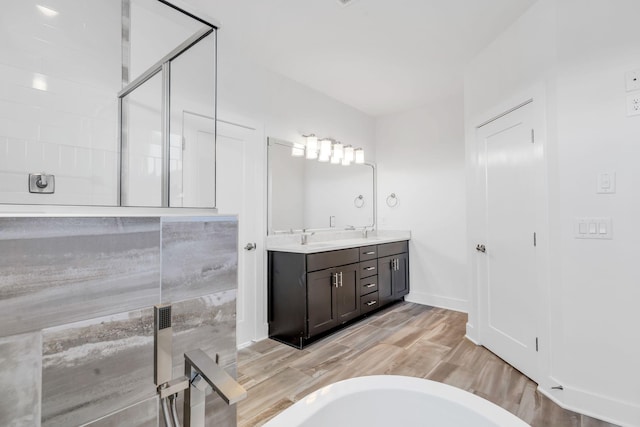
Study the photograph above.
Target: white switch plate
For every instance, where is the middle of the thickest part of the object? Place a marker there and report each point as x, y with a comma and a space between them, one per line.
633, 104
632, 79
599, 228
606, 183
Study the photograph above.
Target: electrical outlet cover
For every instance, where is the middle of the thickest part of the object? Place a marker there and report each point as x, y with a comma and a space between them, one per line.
632, 79
633, 104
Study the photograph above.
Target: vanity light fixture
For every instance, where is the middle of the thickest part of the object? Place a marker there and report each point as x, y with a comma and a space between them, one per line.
349, 153
338, 150
47, 11
312, 147
297, 150
324, 156
327, 150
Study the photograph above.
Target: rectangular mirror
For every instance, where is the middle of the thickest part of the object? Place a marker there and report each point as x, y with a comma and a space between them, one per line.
311, 195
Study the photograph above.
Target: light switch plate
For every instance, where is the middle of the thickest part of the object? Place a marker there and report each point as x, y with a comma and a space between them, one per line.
606, 183
599, 228
632, 79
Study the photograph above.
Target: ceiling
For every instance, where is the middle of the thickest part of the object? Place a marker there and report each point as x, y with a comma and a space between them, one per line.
378, 56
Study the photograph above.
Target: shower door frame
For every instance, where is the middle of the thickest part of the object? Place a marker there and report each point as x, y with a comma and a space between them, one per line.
162, 66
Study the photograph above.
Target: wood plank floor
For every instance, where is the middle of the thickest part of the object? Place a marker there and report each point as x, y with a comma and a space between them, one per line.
406, 339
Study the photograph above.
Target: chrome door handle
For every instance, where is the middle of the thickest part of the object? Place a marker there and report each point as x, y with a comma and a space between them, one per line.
369, 253
370, 285
370, 268
334, 279
370, 303
481, 248
250, 246
341, 279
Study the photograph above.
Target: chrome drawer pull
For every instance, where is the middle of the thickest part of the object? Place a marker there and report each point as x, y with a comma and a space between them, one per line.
370, 253
370, 303
370, 285
370, 268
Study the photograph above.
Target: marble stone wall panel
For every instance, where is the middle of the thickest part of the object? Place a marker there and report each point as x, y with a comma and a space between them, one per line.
20, 377
207, 323
96, 367
65, 269
199, 256
144, 414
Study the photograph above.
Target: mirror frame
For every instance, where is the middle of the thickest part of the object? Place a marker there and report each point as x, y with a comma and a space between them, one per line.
270, 231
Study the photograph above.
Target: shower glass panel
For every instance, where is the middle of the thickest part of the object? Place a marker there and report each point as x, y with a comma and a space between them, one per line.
193, 127
167, 115
155, 30
142, 145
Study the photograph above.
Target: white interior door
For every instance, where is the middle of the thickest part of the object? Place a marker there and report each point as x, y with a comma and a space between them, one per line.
508, 286
239, 167
193, 176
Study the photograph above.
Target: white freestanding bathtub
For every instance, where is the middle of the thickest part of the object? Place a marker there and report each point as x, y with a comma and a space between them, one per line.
396, 401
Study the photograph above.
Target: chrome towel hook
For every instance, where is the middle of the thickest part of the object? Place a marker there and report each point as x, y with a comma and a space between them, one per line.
392, 200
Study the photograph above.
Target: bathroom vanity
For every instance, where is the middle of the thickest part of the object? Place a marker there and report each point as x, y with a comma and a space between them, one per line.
315, 289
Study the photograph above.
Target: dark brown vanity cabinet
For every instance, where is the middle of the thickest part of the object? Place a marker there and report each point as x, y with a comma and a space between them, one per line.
312, 294
393, 272
333, 297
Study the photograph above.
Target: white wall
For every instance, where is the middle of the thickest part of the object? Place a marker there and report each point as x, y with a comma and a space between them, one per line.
421, 159
579, 51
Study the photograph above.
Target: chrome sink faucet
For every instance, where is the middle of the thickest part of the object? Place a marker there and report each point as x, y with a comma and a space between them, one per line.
305, 236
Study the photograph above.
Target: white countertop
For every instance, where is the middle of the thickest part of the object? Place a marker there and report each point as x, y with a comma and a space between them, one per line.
323, 242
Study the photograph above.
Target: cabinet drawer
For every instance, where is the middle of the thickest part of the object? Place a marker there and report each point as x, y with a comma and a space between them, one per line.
323, 260
368, 285
369, 268
393, 248
368, 252
369, 302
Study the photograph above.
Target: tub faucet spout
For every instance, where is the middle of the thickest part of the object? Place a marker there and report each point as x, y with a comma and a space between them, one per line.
203, 371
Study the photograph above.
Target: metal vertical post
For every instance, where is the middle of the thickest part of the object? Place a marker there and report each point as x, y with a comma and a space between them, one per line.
166, 132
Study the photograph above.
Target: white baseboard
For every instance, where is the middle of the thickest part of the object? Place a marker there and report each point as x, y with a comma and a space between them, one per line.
438, 301
604, 408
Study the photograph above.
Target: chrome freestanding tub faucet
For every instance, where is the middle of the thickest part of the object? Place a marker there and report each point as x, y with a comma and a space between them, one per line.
200, 372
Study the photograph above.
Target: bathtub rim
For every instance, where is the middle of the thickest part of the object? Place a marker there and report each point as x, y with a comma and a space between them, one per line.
314, 402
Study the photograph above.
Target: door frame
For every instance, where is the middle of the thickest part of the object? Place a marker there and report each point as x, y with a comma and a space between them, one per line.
258, 304
476, 219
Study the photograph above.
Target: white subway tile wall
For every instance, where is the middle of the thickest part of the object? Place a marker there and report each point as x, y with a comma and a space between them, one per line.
58, 106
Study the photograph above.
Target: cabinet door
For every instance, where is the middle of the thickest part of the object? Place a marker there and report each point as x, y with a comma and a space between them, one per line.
400, 276
321, 301
348, 293
385, 270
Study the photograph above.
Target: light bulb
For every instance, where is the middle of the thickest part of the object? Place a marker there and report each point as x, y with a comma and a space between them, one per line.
345, 162
335, 160
338, 150
348, 153
359, 156
312, 147
297, 150
325, 148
